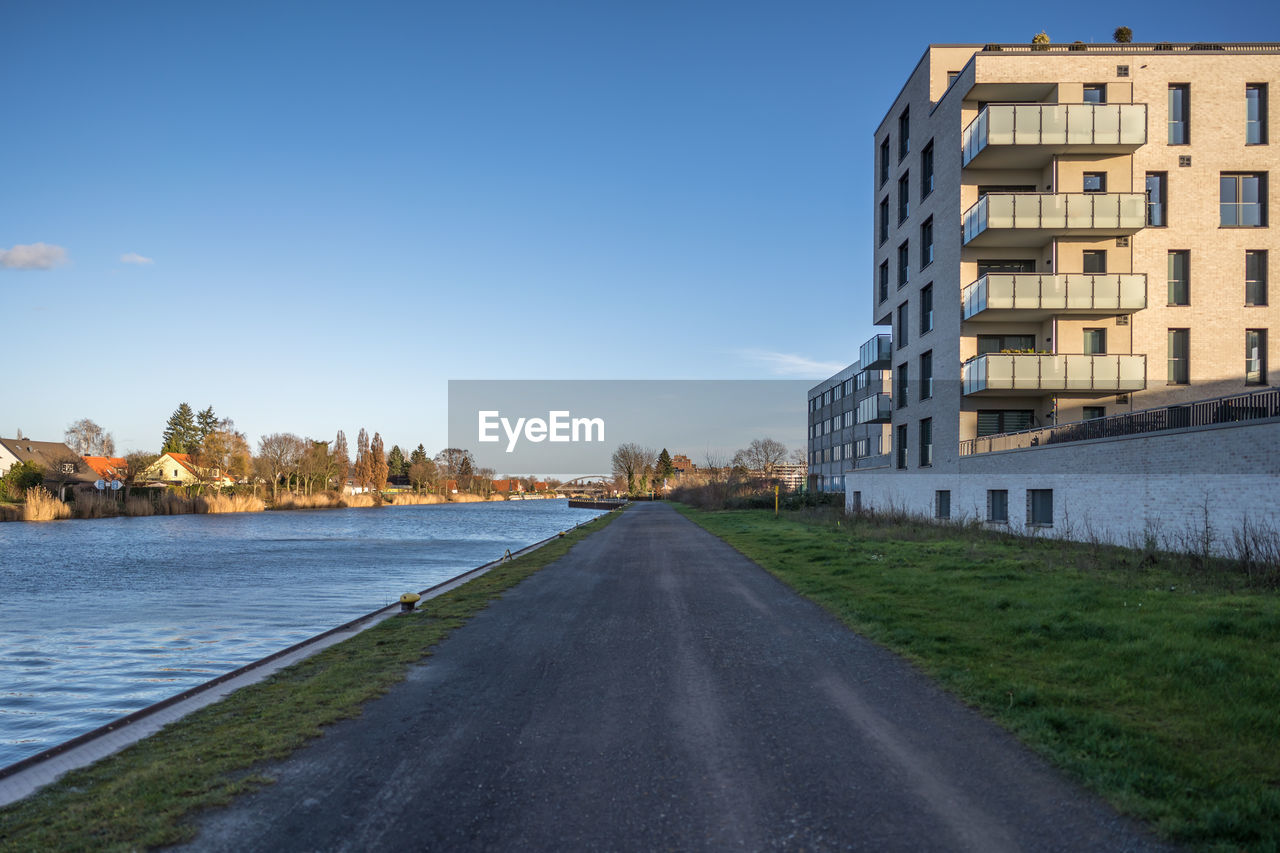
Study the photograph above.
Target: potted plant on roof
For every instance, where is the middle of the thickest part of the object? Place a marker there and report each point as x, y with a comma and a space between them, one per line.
1040, 41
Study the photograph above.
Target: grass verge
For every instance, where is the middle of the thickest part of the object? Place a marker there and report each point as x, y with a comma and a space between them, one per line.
140, 797
1156, 688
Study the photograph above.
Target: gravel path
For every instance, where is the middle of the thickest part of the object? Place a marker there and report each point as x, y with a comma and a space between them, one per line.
654, 689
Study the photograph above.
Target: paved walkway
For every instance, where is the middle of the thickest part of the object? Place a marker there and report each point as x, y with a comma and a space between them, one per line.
656, 690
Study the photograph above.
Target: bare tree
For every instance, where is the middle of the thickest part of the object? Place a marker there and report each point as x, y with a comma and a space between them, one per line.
278, 455
339, 461
363, 471
377, 463
422, 474
633, 465
449, 463
223, 452
86, 438
761, 456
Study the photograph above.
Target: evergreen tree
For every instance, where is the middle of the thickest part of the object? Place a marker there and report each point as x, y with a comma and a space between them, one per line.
465, 472
664, 468
180, 432
396, 464
419, 455
206, 422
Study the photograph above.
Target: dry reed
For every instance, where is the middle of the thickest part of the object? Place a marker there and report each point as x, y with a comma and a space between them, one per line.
95, 505
229, 503
411, 499
139, 506
465, 498
319, 500
42, 506
173, 504
364, 499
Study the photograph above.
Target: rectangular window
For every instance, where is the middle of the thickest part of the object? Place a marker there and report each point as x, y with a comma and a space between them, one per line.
1179, 356
1180, 114
1095, 182
884, 281
1094, 262
997, 421
1093, 412
926, 442
1255, 121
1095, 341
884, 220
884, 161
1255, 278
904, 134
1242, 200
926, 375
926, 308
904, 264
998, 506
1180, 277
903, 383
1255, 356
1157, 199
862, 380
926, 243
942, 503
1040, 507
901, 332
1095, 93
1006, 343
902, 446
926, 171
904, 197
989, 266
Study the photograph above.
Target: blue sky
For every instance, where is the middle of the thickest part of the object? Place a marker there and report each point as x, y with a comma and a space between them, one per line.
312, 216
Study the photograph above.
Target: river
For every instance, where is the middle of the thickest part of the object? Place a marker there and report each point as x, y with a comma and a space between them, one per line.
100, 618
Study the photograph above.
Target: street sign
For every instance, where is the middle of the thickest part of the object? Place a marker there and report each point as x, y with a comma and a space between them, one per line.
115, 485
100, 485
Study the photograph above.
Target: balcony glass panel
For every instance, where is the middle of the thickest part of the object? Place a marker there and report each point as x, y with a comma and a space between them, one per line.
1055, 126
1041, 373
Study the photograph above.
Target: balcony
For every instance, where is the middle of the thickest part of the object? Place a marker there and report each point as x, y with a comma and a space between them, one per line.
876, 353
1032, 219
876, 409
1058, 374
1015, 297
1027, 136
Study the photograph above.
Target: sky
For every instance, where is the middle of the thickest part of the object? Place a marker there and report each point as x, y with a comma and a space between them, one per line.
313, 216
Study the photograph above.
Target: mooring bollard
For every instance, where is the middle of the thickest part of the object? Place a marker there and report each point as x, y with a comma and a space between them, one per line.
408, 601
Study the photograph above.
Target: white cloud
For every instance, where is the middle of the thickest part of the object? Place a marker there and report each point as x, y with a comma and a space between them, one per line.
36, 256
790, 364
135, 258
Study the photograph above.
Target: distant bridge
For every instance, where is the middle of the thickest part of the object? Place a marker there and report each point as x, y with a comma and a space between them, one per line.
588, 483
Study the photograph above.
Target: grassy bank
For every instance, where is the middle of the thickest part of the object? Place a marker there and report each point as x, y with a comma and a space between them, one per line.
141, 797
1153, 685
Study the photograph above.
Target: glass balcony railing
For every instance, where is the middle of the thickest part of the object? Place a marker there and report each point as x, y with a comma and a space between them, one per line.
1054, 128
876, 353
1043, 373
876, 409
1028, 296
1061, 214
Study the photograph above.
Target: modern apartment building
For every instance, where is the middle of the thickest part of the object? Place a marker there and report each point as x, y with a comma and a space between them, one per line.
848, 418
1066, 235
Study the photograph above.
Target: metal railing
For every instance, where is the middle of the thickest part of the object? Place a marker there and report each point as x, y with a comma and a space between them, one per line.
1112, 293
1048, 372
876, 353
1054, 124
1143, 48
1236, 408
1056, 211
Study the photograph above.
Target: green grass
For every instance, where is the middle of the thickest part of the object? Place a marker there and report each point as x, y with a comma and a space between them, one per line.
1157, 687
142, 796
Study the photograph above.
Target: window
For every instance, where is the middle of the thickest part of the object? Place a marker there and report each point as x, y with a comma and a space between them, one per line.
1179, 356
884, 219
904, 264
1180, 277
926, 375
1180, 114
1092, 412
902, 446
904, 134
1255, 119
1001, 343
998, 506
1255, 356
926, 442
1095, 93
862, 380
1040, 507
1255, 278
997, 421
926, 308
1095, 341
884, 281
1095, 182
926, 171
1157, 199
901, 332
904, 197
1095, 262
951, 77
926, 243
942, 503
986, 267
884, 161
1242, 200
903, 383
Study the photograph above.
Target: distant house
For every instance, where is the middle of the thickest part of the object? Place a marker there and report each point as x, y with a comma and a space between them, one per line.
510, 485
681, 464
177, 469
107, 467
451, 486
62, 466
539, 486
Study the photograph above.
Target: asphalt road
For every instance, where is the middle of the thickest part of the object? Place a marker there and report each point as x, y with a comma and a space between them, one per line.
655, 690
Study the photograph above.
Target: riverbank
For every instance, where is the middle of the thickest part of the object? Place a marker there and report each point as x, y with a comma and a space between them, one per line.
1151, 683
139, 798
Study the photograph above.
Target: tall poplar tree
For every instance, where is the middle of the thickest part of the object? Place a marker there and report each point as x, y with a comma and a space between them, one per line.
377, 463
